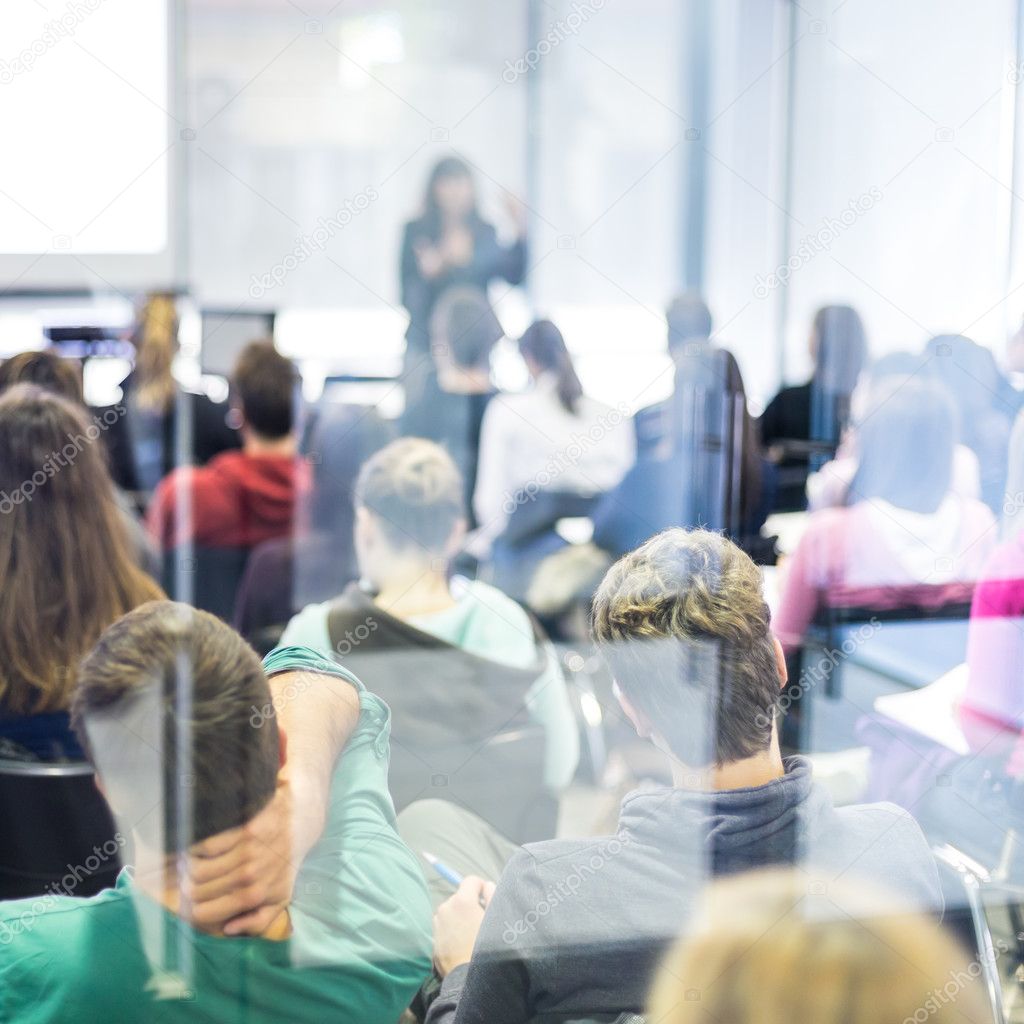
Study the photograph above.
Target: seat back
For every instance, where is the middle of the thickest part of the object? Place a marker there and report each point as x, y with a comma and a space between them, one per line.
205, 577
58, 834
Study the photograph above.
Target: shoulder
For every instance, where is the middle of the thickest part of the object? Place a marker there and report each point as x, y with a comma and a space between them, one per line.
308, 628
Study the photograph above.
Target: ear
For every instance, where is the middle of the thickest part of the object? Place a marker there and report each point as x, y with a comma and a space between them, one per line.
282, 740
456, 540
640, 721
364, 525
780, 663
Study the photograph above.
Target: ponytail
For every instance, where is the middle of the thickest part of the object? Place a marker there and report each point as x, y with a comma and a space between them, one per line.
544, 345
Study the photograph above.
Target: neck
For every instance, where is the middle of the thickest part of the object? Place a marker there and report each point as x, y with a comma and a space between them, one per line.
749, 773
157, 876
413, 588
459, 381
255, 444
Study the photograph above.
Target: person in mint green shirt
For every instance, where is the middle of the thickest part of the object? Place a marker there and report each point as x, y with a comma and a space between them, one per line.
409, 521
182, 724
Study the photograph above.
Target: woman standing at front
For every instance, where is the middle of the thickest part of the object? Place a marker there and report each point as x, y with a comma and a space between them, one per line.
451, 244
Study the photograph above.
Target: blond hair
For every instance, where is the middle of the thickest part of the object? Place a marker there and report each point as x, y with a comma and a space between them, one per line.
684, 627
415, 489
156, 343
768, 949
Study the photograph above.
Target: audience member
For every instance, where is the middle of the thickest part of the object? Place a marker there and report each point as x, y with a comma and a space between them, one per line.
689, 342
814, 414
992, 708
66, 565
241, 498
147, 449
464, 331
975, 385
904, 538
285, 574
452, 658
169, 690
766, 947
64, 377
683, 625
704, 472
830, 485
552, 438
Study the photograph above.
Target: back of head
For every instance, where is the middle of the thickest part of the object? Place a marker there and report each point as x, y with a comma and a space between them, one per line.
264, 384
464, 329
683, 625
966, 369
47, 370
66, 568
166, 704
906, 441
841, 349
415, 491
544, 346
765, 949
156, 345
689, 322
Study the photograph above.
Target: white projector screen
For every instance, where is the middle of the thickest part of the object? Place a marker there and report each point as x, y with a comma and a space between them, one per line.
86, 106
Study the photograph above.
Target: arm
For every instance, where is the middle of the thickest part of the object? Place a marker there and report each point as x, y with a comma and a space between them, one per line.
242, 879
800, 591
492, 502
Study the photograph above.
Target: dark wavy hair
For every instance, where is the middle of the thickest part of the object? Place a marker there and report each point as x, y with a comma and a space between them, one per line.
544, 345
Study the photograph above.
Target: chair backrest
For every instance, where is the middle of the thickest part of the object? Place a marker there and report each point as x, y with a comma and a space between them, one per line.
501, 780
205, 577
58, 834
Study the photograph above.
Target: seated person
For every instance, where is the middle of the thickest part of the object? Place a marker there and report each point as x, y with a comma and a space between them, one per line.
818, 410
240, 498
576, 927
450, 409
986, 412
350, 944
145, 445
551, 439
689, 343
285, 574
767, 947
688, 478
830, 485
67, 568
992, 706
903, 538
64, 377
452, 658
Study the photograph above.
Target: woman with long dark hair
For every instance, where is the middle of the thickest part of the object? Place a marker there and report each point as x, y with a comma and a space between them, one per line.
815, 413
451, 244
66, 565
551, 438
903, 526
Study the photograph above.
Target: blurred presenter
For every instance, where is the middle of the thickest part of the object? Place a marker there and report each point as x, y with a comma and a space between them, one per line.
451, 244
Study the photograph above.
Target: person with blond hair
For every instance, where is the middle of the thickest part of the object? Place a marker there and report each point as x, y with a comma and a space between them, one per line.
576, 927
448, 655
773, 948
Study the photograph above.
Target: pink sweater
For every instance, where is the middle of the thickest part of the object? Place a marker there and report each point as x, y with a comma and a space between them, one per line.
995, 645
856, 555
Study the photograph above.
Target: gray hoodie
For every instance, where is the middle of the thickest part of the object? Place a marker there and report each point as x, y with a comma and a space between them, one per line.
577, 927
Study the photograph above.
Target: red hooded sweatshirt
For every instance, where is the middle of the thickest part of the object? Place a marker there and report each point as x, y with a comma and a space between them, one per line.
237, 500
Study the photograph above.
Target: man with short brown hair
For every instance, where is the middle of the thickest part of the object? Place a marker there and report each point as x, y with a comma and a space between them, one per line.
575, 927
